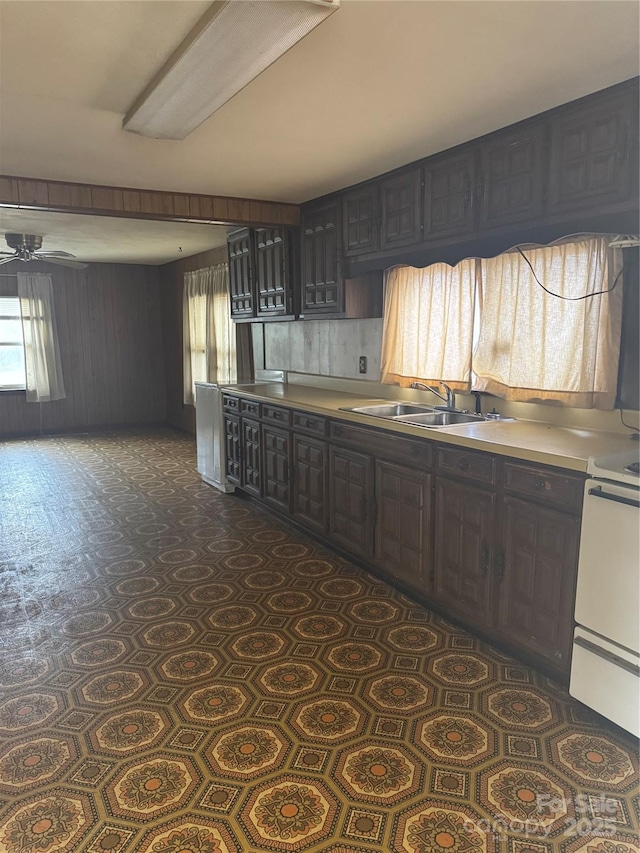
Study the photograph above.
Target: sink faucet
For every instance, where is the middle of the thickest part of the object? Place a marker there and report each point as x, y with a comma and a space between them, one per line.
450, 398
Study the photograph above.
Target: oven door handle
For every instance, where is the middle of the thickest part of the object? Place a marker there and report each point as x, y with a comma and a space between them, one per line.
607, 496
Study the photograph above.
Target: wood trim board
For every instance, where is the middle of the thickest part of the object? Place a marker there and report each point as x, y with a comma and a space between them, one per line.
94, 199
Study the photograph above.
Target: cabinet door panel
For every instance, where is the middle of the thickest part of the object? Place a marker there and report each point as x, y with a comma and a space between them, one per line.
448, 195
272, 271
537, 590
251, 467
360, 221
512, 173
233, 445
403, 523
594, 154
241, 273
321, 277
401, 223
276, 450
463, 547
309, 488
351, 500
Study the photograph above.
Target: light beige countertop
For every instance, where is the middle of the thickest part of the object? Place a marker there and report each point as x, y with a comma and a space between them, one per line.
532, 441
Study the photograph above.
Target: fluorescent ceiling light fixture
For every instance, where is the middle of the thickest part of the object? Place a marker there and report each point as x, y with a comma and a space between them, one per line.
232, 43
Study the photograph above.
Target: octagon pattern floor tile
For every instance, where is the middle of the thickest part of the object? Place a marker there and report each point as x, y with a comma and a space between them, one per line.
181, 671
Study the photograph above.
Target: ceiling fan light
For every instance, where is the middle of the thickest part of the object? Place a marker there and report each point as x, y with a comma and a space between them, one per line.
234, 43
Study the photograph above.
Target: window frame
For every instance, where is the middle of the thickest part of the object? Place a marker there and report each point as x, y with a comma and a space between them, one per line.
14, 389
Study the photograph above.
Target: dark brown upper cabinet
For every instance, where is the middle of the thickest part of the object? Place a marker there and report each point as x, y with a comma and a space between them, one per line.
322, 282
449, 194
241, 273
510, 186
401, 201
261, 267
594, 153
361, 221
572, 168
274, 265
325, 291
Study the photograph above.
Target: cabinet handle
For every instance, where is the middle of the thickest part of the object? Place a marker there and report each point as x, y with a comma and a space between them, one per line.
338, 432
539, 485
464, 465
598, 493
500, 565
484, 558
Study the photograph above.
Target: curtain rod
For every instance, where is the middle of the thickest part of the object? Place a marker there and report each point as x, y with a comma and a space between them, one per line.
8, 275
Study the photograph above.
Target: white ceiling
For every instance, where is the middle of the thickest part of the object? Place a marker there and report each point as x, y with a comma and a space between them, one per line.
377, 85
107, 239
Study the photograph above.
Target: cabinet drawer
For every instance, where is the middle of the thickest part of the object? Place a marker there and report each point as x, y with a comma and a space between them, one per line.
550, 487
250, 407
314, 424
230, 403
276, 414
480, 467
384, 444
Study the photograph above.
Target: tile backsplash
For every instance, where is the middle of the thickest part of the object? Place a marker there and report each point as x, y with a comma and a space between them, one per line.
323, 347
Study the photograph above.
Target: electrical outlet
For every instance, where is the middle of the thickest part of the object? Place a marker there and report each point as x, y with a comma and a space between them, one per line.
362, 364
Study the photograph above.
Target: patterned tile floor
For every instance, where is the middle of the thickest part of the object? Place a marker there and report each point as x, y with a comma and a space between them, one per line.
182, 673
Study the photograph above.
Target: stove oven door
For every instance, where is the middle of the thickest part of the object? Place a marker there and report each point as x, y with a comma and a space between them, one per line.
608, 592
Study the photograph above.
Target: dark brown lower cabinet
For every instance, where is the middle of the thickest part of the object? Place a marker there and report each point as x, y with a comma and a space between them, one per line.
403, 523
309, 504
464, 531
251, 456
494, 544
351, 500
234, 451
537, 578
276, 451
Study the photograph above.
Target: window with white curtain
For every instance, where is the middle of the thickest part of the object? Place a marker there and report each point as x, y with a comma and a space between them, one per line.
489, 324
209, 334
12, 369
428, 324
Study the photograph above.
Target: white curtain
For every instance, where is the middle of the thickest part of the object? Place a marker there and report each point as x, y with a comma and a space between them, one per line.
535, 347
428, 324
41, 350
209, 336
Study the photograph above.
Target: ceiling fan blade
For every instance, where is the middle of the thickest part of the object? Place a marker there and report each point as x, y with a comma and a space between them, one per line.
76, 265
11, 254
53, 255
8, 260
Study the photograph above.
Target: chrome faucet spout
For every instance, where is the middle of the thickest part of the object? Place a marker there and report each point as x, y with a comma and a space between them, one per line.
448, 397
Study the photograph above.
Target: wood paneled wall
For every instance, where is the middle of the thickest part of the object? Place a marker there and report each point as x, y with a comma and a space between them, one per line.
110, 335
37, 194
171, 289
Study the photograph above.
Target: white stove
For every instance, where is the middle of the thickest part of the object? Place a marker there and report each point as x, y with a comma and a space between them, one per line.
619, 467
605, 666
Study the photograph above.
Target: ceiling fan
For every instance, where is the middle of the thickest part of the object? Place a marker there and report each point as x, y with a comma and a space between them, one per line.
26, 247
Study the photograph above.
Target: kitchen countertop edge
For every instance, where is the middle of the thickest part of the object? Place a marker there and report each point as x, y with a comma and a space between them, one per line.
511, 438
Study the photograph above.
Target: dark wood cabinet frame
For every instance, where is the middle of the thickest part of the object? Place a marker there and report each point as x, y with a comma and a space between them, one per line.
488, 541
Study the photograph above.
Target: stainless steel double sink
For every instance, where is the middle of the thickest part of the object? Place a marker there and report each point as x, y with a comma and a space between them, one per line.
415, 414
